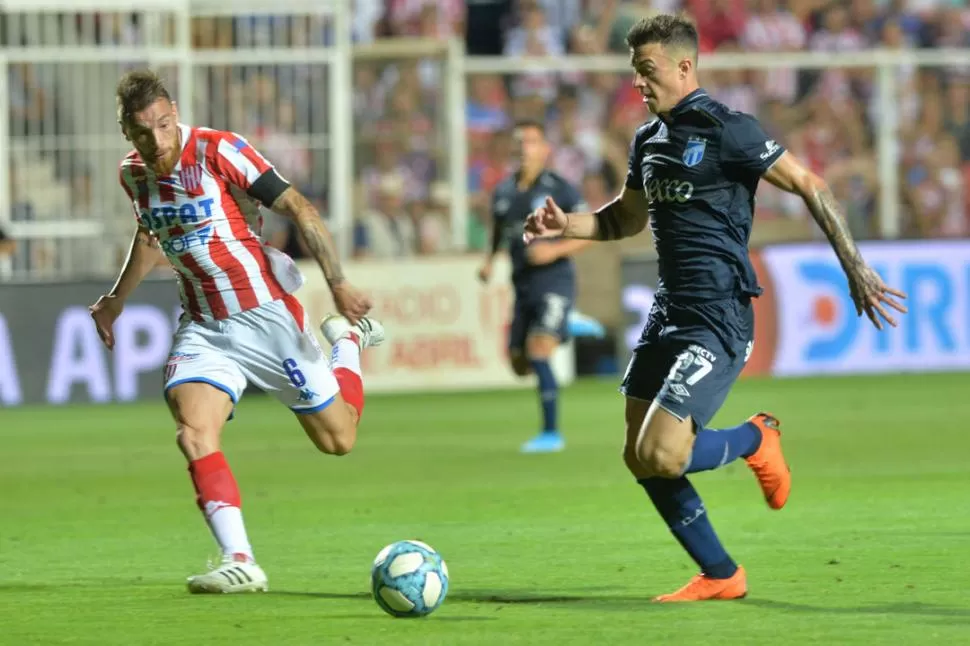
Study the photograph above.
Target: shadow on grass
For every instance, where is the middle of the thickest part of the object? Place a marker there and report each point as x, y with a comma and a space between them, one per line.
629, 602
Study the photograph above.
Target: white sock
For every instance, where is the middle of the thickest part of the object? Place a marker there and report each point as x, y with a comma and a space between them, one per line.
227, 527
346, 354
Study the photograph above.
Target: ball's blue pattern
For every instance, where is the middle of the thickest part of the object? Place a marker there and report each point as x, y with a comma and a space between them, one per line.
410, 585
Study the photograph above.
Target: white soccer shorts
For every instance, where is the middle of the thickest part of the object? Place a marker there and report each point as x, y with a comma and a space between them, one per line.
270, 346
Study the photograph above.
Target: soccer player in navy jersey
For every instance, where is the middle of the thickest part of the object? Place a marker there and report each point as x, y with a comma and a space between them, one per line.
543, 275
693, 173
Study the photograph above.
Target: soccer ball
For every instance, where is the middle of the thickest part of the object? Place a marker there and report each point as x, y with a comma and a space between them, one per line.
409, 579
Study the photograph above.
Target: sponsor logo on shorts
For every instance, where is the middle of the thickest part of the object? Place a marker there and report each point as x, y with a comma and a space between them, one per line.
307, 395
181, 357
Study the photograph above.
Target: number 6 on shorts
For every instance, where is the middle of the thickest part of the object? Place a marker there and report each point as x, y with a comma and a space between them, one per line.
296, 377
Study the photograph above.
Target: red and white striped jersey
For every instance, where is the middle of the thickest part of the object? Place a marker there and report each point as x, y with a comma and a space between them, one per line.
198, 214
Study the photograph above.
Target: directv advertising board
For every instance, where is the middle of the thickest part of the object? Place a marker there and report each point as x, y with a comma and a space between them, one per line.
818, 331
806, 323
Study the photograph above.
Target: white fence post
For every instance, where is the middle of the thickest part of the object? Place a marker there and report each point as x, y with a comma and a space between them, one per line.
5, 150
341, 126
455, 91
887, 147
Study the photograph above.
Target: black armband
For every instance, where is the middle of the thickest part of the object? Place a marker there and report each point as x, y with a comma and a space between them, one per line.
608, 222
498, 232
268, 187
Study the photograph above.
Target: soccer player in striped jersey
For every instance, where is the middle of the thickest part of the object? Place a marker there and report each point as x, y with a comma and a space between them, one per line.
190, 189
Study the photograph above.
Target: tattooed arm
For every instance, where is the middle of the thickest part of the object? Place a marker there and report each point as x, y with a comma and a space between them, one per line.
868, 290
315, 235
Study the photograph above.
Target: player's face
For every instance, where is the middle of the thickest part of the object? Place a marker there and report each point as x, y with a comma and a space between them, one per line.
155, 135
530, 147
659, 76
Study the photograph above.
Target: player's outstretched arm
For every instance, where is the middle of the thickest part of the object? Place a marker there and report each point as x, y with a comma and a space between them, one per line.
623, 217
318, 240
869, 292
143, 256
553, 250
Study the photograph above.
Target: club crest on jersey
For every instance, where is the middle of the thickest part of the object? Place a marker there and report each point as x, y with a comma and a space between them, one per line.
191, 177
694, 151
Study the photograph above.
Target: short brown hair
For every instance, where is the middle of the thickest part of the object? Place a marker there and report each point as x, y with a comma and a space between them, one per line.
137, 90
676, 32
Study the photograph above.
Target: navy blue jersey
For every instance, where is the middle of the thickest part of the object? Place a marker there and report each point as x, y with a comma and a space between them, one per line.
700, 172
510, 208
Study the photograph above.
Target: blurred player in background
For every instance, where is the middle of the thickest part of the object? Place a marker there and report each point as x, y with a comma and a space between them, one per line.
543, 275
693, 173
241, 324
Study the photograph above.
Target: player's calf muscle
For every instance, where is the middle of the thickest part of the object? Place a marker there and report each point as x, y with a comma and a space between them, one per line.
333, 430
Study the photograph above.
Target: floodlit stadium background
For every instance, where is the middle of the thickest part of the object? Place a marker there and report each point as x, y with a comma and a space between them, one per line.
394, 118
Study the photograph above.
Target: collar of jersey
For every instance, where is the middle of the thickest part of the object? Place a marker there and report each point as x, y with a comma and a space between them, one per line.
185, 131
688, 102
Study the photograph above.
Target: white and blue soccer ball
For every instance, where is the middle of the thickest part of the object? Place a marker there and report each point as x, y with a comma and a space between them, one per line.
409, 579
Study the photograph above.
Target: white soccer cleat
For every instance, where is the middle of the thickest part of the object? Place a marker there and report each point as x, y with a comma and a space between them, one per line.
230, 576
369, 331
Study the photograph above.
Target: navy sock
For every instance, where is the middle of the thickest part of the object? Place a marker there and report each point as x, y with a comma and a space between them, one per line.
548, 394
683, 510
714, 449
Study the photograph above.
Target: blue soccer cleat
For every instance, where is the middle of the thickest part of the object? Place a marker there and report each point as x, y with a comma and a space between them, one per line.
545, 442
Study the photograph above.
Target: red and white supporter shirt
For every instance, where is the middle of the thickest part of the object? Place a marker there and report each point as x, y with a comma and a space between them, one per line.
200, 222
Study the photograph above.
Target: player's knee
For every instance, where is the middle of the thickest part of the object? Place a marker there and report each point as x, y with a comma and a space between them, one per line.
632, 462
520, 365
662, 460
343, 442
196, 440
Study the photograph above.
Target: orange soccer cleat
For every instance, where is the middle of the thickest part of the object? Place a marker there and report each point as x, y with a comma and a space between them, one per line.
768, 462
704, 588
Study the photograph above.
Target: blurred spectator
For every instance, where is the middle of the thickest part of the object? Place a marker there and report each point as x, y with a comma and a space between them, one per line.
837, 36
534, 37
387, 230
433, 221
7, 249
957, 120
28, 99
484, 25
597, 190
426, 18
773, 28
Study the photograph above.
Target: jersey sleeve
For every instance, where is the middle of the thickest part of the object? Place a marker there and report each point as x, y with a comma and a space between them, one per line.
634, 171
128, 184
746, 147
236, 161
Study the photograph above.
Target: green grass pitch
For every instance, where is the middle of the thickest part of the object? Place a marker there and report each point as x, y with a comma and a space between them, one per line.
98, 529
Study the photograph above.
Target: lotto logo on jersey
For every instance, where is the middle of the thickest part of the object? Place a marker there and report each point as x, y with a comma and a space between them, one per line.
669, 190
168, 216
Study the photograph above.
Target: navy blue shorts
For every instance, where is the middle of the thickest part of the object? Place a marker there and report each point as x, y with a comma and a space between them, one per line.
689, 356
542, 313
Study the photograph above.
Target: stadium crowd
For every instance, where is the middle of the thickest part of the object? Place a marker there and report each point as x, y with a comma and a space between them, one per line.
402, 189
829, 118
